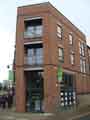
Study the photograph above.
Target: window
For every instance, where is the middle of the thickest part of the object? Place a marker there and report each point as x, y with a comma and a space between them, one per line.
33, 28
70, 39
30, 56
82, 48
59, 31
35, 56
83, 65
89, 52
39, 55
34, 31
61, 54
72, 59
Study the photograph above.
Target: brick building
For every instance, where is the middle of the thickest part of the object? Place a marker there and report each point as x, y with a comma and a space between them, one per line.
45, 40
88, 56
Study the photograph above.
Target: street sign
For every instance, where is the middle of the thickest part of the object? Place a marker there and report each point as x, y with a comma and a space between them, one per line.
59, 74
11, 75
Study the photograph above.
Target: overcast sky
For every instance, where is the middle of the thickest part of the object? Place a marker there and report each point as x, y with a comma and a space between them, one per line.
77, 11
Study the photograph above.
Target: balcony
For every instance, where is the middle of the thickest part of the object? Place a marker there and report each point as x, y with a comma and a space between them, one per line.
33, 60
33, 54
33, 32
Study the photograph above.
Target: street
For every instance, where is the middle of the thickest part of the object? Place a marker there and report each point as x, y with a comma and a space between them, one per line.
10, 114
86, 117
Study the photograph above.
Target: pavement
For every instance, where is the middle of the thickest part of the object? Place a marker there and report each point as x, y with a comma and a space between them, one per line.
11, 115
82, 114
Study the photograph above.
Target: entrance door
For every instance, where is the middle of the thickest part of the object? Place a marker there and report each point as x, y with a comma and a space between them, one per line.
34, 91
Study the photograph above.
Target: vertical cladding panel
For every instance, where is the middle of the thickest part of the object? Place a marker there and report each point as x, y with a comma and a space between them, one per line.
47, 89
20, 90
78, 83
46, 44
87, 77
88, 82
50, 90
66, 47
86, 86
20, 86
53, 40
19, 41
77, 55
83, 83
47, 60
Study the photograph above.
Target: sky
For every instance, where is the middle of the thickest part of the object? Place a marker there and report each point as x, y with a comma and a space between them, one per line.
77, 11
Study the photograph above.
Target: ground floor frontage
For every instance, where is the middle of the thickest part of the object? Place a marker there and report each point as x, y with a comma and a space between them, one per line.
73, 114
38, 90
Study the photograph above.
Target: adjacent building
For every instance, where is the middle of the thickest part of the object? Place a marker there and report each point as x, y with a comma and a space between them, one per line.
47, 41
88, 56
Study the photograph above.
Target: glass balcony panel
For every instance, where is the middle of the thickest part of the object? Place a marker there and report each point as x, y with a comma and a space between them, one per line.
30, 52
34, 56
30, 61
33, 60
39, 60
35, 31
39, 52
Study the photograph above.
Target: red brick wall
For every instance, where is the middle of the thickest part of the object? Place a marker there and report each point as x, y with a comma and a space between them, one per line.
51, 43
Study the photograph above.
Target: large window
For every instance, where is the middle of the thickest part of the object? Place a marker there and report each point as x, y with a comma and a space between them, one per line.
61, 54
34, 31
33, 28
59, 31
34, 54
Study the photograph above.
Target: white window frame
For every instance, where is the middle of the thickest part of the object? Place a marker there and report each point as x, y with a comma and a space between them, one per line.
72, 59
59, 31
61, 54
82, 65
82, 48
70, 39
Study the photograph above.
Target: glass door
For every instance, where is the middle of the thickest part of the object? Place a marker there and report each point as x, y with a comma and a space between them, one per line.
34, 91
